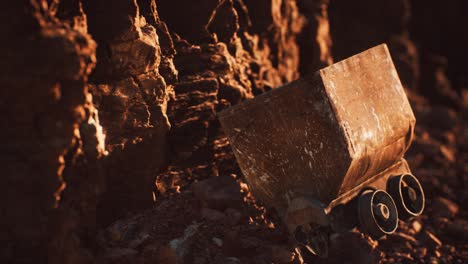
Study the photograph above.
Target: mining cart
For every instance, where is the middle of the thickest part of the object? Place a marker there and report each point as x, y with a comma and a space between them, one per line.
327, 151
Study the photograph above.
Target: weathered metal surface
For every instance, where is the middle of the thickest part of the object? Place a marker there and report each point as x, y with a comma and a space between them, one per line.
376, 182
288, 144
304, 210
371, 107
323, 136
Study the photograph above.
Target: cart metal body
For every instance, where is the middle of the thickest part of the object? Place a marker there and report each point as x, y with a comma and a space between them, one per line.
324, 137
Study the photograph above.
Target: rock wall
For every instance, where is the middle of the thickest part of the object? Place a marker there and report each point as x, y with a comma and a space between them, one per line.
425, 39
361, 24
90, 92
131, 86
50, 125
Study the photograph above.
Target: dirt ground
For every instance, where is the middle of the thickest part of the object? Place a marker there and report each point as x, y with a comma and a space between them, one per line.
224, 228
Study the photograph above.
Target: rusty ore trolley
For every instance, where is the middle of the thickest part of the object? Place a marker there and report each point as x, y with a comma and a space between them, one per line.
326, 151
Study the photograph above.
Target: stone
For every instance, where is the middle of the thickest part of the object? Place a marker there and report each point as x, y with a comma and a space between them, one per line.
218, 192
166, 254
430, 240
224, 22
420, 252
217, 241
233, 216
403, 257
244, 187
212, 215
416, 226
444, 117
281, 255
354, 247
397, 239
140, 240
443, 207
231, 244
458, 228
44, 93
131, 96
250, 242
181, 247
231, 260
448, 153
118, 255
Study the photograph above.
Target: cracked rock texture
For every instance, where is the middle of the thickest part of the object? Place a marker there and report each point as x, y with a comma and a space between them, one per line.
131, 86
112, 151
51, 129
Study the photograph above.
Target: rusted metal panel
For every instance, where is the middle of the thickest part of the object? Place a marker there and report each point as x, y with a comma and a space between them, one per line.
371, 107
288, 144
323, 135
378, 181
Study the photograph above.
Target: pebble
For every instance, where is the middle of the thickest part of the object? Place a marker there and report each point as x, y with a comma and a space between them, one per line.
118, 254
447, 153
458, 228
142, 238
443, 207
445, 118
420, 252
441, 222
233, 216
231, 260
430, 240
122, 231
416, 226
231, 243
281, 255
464, 197
400, 240
217, 241
403, 257
182, 246
167, 255
353, 247
244, 187
212, 215
250, 242
219, 192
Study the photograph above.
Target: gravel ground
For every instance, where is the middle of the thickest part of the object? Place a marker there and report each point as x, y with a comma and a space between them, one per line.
206, 214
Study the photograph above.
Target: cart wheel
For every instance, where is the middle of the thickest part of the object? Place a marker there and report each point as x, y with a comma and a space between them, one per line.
408, 195
378, 215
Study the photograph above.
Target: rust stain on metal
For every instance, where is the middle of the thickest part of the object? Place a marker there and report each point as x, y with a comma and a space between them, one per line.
371, 106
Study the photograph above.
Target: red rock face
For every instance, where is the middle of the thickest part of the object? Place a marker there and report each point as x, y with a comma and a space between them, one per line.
110, 109
50, 114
